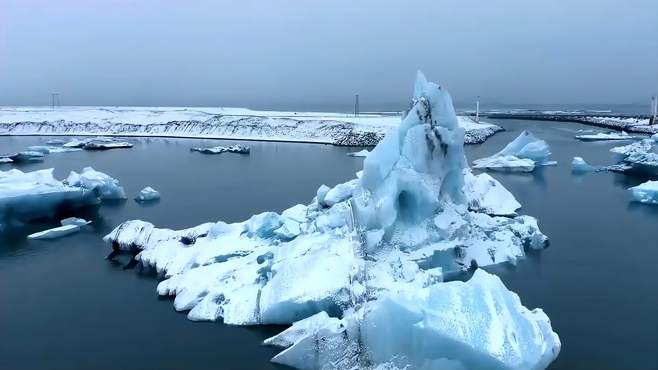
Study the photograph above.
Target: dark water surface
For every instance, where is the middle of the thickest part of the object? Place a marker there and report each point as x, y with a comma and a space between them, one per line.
62, 306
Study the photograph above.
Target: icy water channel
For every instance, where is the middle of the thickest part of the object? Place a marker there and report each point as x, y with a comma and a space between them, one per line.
62, 306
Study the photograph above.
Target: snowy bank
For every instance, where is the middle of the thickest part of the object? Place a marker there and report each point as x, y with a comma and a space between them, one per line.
359, 270
218, 123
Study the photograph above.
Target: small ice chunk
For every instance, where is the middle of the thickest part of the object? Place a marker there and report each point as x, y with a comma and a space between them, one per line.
263, 224
339, 193
322, 193
147, 194
296, 212
74, 221
6, 160
646, 192
579, 165
289, 230
360, 153
105, 186
56, 232
221, 149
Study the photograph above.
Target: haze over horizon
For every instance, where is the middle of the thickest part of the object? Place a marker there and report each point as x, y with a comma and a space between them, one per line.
305, 55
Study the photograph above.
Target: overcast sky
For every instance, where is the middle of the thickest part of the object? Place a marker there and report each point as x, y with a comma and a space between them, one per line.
316, 54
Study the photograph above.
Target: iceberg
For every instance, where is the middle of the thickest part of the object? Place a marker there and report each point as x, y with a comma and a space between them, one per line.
148, 194
523, 154
56, 232
360, 153
603, 136
359, 271
104, 186
646, 192
222, 149
27, 196
578, 165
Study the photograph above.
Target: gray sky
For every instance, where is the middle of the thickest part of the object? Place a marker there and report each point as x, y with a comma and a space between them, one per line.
316, 54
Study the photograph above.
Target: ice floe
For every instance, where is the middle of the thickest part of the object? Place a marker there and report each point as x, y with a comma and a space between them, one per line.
646, 192
222, 149
103, 185
603, 136
56, 232
359, 270
523, 154
639, 157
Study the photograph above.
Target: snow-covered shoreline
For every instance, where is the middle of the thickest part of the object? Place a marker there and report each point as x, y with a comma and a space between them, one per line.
213, 123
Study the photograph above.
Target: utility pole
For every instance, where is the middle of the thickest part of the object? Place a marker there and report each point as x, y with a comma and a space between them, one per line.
477, 110
54, 100
356, 105
654, 109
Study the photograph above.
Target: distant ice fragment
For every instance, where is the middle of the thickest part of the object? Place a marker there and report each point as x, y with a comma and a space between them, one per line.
6, 160
148, 194
74, 221
523, 154
360, 153
56, 142
646, 192
104, 145
104, 186
601, 136
56, 232
222, 149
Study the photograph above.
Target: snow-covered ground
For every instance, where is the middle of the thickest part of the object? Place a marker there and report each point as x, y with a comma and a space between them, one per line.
225, 123
346, 271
